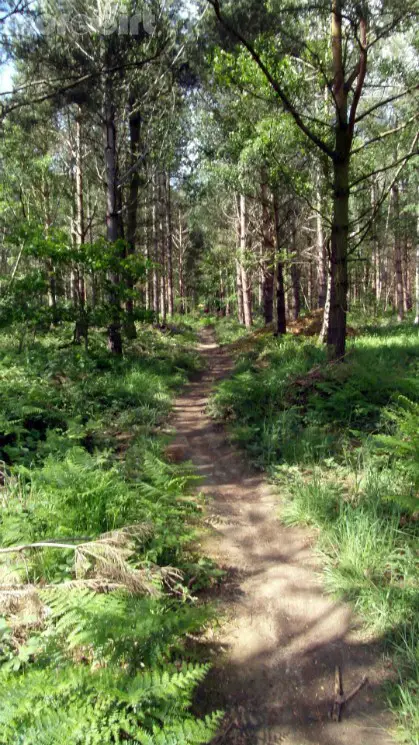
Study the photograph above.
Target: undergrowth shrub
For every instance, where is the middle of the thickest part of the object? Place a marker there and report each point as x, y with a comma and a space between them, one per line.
51, 389
94, 627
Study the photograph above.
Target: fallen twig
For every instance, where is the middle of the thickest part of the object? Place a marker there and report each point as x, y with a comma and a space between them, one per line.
340, 698
221, 738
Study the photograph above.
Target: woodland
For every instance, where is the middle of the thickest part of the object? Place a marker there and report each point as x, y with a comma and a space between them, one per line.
166, 168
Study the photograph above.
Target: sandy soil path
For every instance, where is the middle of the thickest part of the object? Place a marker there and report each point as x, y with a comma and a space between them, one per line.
280, 636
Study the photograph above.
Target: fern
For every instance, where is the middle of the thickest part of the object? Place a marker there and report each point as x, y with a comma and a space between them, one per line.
403, 446
80, 705
80, 664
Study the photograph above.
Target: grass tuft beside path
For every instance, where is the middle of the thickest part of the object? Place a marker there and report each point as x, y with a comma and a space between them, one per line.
342, 443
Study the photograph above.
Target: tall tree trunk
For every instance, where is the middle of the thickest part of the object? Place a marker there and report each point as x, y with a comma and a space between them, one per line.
162, 240
246, 286
417, 272
93, 282
113, 222
398, 255
148, 235
407, 295
239, 290
378, 268
52, 278
132, 212
169, 248
336, 333
156, 257
325, 326
181, 267
268, 255
228, 298
239, 282
321, 255
79, 290
336, 336
148, 286
295, 279
281, 327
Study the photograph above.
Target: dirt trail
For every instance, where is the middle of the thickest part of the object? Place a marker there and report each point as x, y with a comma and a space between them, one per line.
280, 636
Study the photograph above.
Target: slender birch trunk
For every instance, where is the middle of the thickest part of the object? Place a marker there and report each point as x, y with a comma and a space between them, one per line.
239, 282
246, 285
239, 290
325, 326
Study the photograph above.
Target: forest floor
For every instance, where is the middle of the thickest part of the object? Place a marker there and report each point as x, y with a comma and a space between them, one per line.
280, 635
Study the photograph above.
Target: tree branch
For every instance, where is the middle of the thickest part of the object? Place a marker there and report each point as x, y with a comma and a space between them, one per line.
386, 192
361, 74
383, 135
288, 106
91, 76
402, 160
385, 102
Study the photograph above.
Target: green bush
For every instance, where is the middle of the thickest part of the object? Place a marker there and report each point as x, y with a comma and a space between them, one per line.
93, 634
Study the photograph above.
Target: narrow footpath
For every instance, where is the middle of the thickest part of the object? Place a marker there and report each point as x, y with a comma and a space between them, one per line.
280, 635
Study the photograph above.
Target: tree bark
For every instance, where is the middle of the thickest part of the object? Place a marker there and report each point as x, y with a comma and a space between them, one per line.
162, 240
181, 267
113, 223
417, 273
132, 212
268, 255
239, 283
78, 282
321, 255
239, 289
52, 283
295, 279
325, 326
246, 287
398, 255
378, 264
156, 258
281, 327
169, 248
336, 334
407, 295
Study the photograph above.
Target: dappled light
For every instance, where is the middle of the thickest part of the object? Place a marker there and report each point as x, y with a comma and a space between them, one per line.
209, 358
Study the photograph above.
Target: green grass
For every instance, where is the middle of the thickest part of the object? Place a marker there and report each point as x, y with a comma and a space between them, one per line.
228, 330
341, 442
84, 464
